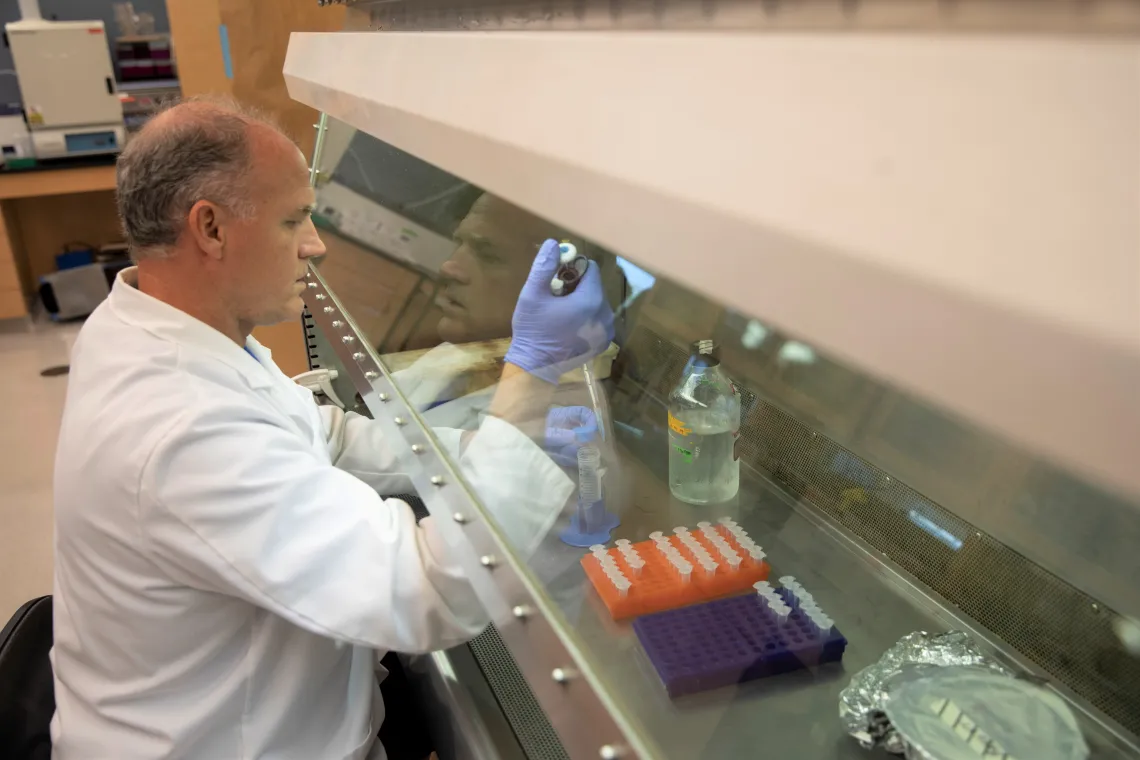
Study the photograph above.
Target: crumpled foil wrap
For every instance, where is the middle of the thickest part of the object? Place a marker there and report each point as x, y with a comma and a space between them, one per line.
967, 713
861, 703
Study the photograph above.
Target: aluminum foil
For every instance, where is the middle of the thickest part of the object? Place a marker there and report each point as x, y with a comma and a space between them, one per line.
914, 656
969, 713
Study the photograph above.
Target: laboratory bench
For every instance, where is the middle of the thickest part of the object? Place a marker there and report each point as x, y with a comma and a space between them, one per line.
44, 208
899, 441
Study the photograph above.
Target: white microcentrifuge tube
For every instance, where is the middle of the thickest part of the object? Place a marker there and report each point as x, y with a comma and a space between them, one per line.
726, 521
704, 524
680, 529
656, 535
623, 542
686, 571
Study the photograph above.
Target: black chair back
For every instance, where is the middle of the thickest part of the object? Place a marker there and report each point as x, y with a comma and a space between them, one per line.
27, 697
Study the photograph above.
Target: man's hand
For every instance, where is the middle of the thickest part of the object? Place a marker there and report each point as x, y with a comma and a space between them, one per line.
552, 334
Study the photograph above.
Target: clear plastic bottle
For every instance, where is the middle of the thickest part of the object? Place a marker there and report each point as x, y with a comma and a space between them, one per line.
704, 424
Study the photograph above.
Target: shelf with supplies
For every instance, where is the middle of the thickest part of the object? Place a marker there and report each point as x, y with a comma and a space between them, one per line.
856, 513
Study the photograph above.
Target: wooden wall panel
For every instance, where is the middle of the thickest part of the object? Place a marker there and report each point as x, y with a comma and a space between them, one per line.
259, 36
12, 305
197, 44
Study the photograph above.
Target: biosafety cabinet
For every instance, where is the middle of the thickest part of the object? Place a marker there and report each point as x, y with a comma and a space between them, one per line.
910, 230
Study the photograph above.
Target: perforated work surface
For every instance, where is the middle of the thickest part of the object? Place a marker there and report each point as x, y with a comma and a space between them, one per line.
1063, 630
532, 728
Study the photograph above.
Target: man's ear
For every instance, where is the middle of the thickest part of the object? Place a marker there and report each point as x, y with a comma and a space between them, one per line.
206, 223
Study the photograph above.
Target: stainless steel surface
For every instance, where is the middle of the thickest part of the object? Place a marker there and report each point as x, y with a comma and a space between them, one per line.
315, 167
532, 728
1105, 17
795, 715
1067, 633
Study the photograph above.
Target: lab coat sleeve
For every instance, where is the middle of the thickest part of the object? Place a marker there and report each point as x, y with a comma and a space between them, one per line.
514, 479
235, 503
356, 445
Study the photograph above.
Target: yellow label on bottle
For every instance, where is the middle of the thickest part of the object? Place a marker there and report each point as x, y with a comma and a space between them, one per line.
677, 427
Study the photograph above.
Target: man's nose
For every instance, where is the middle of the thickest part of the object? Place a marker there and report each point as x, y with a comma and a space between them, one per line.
452, 271
311, 243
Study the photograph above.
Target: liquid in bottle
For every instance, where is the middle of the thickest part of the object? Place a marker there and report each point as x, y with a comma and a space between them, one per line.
704, 426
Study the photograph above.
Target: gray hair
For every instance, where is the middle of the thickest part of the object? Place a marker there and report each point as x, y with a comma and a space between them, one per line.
197, 150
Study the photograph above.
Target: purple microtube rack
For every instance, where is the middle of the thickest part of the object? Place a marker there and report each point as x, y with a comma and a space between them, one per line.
731, 641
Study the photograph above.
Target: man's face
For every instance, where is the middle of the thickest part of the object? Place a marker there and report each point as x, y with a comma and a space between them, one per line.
265, 277
482, 279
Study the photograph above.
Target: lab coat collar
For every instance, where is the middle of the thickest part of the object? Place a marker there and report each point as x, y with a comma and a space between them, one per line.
166, 322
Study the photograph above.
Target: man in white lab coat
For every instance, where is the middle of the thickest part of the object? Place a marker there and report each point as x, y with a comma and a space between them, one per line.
226, 572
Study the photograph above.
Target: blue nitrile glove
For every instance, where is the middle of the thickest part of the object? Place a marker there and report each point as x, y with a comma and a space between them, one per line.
552, 334
567, 429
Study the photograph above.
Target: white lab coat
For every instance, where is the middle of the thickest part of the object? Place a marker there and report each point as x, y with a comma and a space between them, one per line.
226, 573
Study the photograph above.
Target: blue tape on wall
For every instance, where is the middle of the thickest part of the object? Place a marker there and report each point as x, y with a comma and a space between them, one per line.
227, 61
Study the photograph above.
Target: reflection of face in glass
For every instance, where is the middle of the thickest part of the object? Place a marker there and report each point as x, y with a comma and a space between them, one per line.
482, 279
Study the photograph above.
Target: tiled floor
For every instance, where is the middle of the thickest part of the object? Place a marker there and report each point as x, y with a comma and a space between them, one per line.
30, 408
